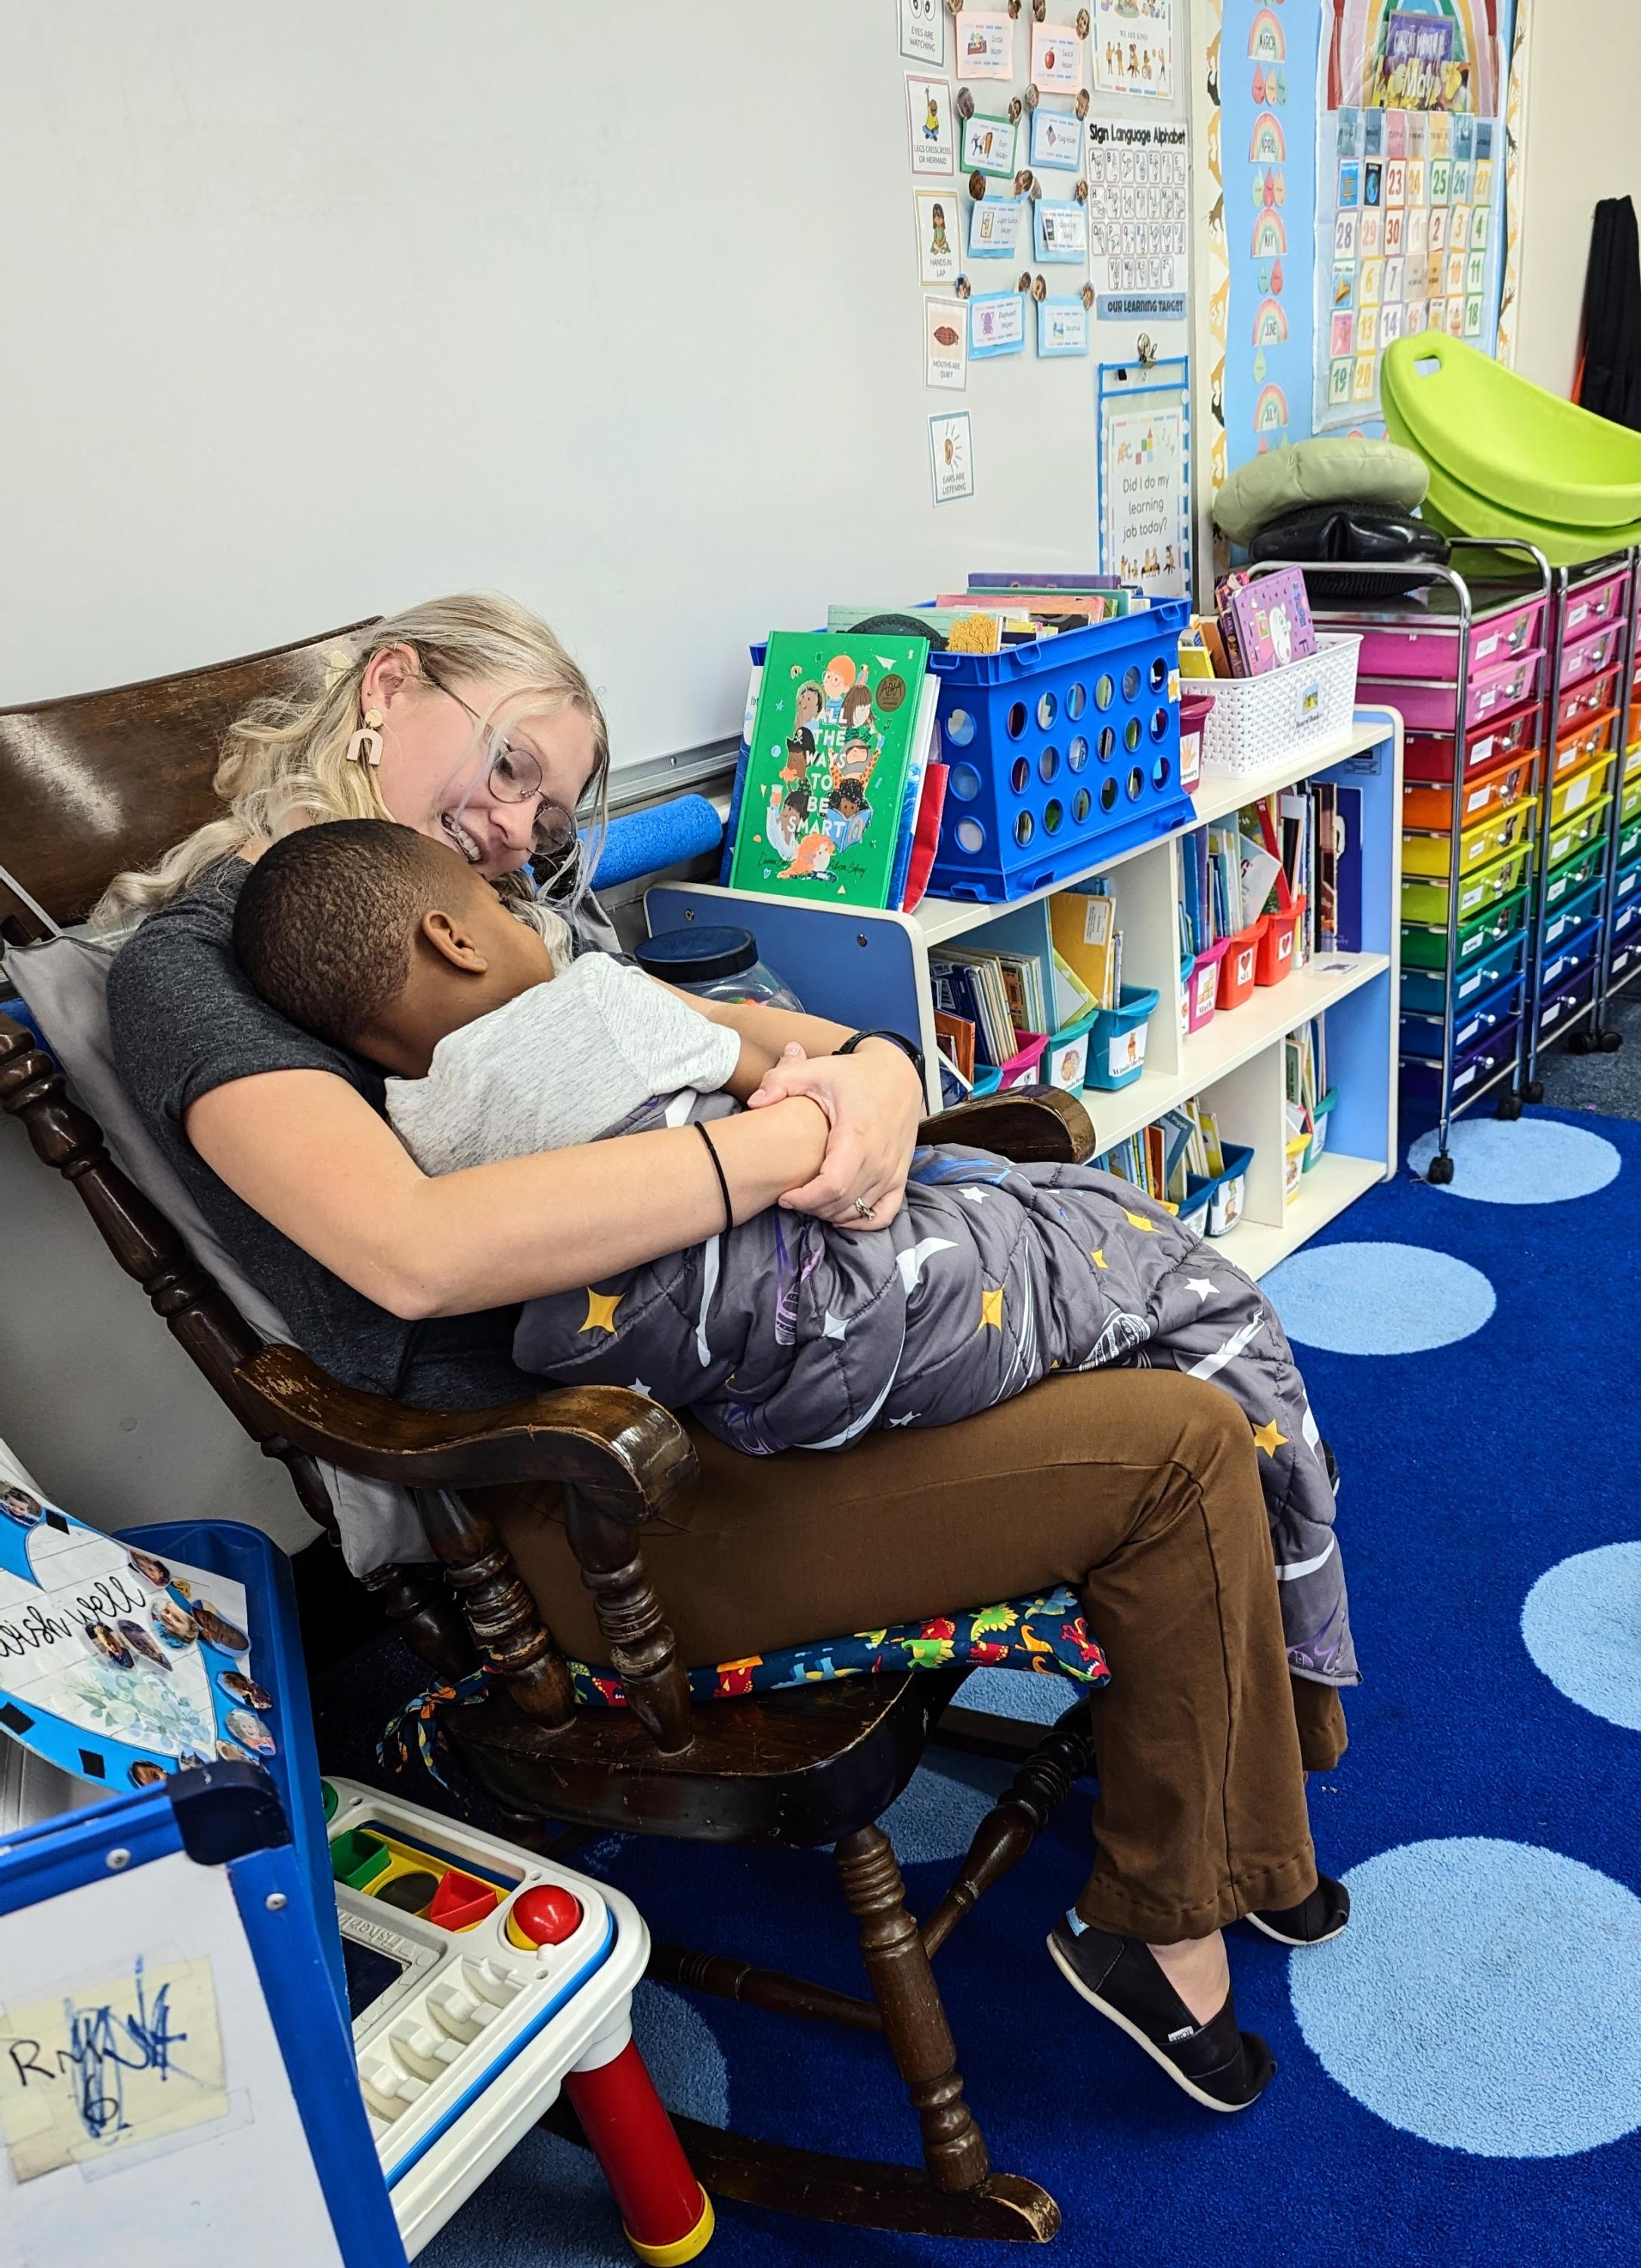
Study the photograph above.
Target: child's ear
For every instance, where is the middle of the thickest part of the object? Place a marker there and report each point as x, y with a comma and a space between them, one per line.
453, 941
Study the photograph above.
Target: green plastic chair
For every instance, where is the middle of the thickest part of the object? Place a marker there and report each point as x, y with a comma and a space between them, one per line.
1508, 441
1457, 511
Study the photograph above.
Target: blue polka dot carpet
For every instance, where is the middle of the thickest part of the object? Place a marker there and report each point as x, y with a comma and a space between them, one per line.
1460, 2072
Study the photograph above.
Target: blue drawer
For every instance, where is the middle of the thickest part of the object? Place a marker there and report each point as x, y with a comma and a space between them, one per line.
1569, 919
1421, 1079
1424, 991
1569, 959
1472, 1025
1558, 1008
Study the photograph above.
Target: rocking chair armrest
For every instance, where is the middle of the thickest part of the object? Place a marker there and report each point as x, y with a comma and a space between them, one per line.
624, 1455
1033, 1125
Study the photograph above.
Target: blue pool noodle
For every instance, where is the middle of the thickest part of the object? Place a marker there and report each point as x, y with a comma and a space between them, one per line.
645, 842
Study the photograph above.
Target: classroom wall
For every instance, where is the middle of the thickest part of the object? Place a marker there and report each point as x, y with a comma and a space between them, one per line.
1584, 76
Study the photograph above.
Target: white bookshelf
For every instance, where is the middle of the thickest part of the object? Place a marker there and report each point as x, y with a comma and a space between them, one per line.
868, 968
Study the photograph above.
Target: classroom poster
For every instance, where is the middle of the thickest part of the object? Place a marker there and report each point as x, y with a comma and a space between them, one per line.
1298, 317
1133, 47
928, 125
922, 31
945, 344
984, 46
1062, 326
939, 243
952, 457
1139, 178
1146, 501
1056, 59
997, 324
1409, 186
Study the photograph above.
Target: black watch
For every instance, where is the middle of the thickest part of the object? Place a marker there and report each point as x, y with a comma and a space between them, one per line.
908, 1047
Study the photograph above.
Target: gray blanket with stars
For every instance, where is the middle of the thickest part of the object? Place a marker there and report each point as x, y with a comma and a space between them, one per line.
786, 1333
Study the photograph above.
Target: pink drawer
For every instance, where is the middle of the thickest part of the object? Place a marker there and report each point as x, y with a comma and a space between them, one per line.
1590, 605
1587, 657
1580, 702
1493, 744
1419, 651
1430, 708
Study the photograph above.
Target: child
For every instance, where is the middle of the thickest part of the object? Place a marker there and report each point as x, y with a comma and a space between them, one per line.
782, 1331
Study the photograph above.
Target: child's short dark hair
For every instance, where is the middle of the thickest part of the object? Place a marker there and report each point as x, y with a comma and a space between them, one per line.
327, 918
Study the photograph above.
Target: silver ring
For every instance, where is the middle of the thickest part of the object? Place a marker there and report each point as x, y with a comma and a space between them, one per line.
865, 1210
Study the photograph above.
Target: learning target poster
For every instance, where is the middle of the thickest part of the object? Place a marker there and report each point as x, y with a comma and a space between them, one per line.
1144, 477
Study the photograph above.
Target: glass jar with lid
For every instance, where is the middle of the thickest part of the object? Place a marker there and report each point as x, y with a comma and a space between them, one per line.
718, 963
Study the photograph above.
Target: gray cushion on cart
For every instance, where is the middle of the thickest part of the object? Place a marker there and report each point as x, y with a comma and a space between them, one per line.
1339, 468
65, 982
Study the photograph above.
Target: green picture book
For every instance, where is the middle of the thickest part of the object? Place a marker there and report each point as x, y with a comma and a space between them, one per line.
833, 767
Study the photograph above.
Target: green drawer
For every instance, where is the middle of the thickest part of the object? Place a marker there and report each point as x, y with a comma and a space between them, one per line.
1427, 901
1425, 947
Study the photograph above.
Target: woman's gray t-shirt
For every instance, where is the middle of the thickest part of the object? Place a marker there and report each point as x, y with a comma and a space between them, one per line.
184, 1019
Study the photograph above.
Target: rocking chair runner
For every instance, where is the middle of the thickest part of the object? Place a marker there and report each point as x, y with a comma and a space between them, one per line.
803, 1767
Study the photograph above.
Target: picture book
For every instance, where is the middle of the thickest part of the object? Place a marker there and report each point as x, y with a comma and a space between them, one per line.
835, 765
1084, 932
1268, 622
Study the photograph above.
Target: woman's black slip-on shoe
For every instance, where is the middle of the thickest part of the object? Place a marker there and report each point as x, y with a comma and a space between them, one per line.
1312, 1921
1217, 2065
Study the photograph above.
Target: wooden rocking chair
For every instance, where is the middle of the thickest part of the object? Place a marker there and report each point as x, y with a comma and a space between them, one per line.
811, 1766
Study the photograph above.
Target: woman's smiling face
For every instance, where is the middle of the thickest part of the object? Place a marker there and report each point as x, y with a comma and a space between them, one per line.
449, 776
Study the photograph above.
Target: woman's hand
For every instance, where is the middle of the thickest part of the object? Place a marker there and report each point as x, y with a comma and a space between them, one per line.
873, 1102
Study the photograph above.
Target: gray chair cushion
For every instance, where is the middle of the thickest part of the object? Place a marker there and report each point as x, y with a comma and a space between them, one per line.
65, 984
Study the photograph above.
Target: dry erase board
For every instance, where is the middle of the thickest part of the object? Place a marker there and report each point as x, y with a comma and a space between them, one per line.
619, 310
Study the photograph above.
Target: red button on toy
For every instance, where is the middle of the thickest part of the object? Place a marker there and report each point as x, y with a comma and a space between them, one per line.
546, 1915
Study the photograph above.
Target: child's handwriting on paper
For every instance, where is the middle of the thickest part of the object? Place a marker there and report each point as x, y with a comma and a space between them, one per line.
92, 2071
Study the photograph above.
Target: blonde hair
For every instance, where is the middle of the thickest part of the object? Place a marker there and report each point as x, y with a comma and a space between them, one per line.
285, 764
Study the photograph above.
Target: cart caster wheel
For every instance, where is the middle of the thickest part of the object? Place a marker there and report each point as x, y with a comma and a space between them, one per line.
1534, 1090
1509, 1108
1441, 1171
1611, 1042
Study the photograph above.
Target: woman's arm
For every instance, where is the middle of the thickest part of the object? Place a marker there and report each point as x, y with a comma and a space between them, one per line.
309, 1155
873, 1102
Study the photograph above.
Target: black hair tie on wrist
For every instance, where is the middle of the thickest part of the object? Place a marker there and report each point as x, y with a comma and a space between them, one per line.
717, 1167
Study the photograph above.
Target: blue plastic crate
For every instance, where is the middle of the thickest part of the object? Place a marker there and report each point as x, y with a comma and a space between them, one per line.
1062, 751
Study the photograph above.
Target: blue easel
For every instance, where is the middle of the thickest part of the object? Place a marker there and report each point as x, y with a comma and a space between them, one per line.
174, 2063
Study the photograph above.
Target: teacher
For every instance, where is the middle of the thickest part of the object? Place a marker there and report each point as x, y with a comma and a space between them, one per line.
466, 719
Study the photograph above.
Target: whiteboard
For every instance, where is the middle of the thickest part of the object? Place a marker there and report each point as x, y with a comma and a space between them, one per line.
240, 2184
317, 310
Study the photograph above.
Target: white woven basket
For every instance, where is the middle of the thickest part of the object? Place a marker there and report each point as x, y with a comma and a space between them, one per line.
1253, 719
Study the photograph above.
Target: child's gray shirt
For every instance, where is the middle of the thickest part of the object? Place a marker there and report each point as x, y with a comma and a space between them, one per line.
562, 1063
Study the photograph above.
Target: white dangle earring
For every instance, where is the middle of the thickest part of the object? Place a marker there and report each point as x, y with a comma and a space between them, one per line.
365, 746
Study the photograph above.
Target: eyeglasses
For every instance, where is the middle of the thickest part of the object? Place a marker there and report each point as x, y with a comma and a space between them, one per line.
515, 776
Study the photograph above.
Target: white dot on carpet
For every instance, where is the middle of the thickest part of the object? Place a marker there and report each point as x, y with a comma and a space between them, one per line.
1377, 1298
1482, 1997
1531, 1161
1582, 1626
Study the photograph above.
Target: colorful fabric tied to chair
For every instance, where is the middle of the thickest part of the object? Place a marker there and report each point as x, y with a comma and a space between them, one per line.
1046, 1635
